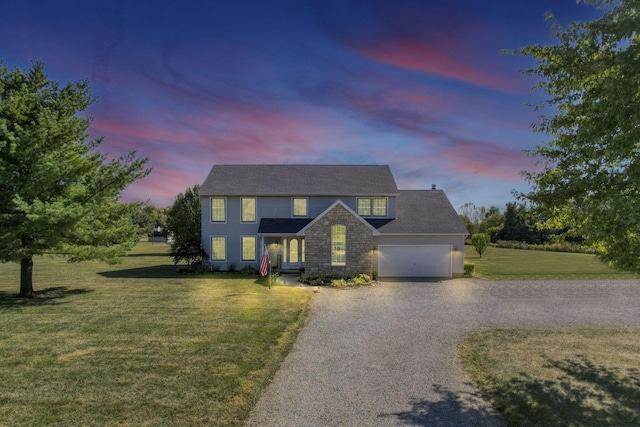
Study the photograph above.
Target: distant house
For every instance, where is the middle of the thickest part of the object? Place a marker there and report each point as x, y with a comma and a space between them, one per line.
327, 219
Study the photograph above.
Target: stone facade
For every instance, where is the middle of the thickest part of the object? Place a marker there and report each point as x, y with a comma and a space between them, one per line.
359, 244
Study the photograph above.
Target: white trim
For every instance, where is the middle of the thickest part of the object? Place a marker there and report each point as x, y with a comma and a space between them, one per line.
326, 211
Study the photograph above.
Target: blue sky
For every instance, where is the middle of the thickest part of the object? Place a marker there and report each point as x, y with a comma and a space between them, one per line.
419, 85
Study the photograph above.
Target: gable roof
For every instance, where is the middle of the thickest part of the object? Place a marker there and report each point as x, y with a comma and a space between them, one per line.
422, 212
299, 180
329, 209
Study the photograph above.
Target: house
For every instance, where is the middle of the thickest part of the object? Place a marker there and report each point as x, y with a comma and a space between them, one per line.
328, 219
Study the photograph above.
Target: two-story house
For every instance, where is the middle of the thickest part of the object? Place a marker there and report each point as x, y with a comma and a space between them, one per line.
328, 219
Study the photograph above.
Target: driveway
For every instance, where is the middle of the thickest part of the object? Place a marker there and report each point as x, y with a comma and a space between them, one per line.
385, 355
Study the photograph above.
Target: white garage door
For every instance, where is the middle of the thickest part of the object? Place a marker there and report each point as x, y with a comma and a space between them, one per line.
414, 261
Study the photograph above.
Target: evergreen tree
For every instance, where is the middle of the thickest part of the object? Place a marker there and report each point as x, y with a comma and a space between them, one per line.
58, 194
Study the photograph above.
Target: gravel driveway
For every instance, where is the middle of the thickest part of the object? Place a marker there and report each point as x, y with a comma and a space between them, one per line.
385, 355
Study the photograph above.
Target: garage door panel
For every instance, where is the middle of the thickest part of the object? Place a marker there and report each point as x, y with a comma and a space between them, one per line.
414, 260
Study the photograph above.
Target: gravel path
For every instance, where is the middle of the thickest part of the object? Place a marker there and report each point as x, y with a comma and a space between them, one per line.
385, 355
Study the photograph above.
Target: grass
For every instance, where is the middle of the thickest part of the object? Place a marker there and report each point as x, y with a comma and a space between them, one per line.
549, 377
138, 344
518, 264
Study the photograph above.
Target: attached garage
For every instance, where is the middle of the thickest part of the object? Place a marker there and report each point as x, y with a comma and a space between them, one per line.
414, 260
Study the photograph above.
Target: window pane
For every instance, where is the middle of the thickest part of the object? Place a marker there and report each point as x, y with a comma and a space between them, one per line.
299, 207
379, 207
217, 210
364, 207
248, 210
248, 248
338, 245
218, 248
293, 251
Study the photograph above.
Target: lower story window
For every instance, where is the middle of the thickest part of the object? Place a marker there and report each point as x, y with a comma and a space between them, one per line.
338, 245
248, 248
218, 248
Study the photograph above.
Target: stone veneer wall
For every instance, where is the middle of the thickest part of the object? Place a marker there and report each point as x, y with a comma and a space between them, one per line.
359, 246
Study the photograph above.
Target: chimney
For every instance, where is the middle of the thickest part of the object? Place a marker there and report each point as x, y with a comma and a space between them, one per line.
433, 186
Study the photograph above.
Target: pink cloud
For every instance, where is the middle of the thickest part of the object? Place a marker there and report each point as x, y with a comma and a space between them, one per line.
488, 160
417, 55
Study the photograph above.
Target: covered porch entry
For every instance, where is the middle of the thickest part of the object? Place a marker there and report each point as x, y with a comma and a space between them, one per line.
286, 248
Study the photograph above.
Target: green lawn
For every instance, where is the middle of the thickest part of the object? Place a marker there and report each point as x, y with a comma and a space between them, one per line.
138, 344
550, 377
518, 264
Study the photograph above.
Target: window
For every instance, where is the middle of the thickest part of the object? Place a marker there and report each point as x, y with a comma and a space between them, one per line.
293, 251
300, 206
248, 248
248, 209
218, 210
338, 245
364, 207
372, 207
218, 248
380, 207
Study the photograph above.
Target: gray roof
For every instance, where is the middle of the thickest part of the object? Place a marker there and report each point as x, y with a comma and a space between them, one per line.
282, 225
424, 212
299, 180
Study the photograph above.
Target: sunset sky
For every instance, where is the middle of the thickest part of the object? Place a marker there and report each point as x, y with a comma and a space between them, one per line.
419, 85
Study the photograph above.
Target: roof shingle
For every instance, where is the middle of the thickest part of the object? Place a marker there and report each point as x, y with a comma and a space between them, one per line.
424, 212
299, 180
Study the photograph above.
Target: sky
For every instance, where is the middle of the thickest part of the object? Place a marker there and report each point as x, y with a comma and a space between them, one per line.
420, 85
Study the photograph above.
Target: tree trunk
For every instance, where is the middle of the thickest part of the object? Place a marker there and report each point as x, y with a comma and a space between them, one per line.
26, 278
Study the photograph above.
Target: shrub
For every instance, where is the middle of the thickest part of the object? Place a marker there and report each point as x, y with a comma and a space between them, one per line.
357, 280
361, 279
468, 269
337, 276
317, 281
562, 246
311, 279
249, 271
339, 283
374, 275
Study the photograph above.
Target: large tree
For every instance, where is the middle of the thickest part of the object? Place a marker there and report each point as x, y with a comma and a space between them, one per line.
590, 176
185, 224
58, 194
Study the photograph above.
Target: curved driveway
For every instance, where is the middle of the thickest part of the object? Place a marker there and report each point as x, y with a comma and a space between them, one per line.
385, 355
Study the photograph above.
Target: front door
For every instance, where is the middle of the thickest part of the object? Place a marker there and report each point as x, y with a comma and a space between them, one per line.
293, 252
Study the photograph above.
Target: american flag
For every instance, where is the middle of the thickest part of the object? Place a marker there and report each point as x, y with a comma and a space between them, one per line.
264, 261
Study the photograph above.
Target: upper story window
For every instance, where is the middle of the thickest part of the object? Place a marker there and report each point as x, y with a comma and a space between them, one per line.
299, 206
248, 209
338, 245
376, 206
218, 209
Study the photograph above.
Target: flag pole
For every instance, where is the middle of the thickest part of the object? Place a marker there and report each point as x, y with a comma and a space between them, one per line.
269, 268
